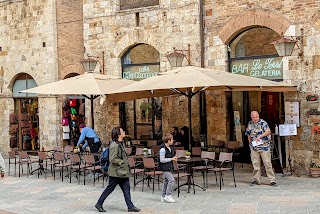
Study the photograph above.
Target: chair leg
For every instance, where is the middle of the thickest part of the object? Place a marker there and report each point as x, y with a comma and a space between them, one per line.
45, 171
220, 178
179, 187
9, 168
19, 169
158, 182
27, 169
154, 177
84, 177
194, 190
134, 181
234, 179
215, 174
70, 173
204, 182
143, 181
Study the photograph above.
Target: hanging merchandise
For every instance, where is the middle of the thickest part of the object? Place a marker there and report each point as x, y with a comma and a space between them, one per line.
65, 128
73, 123
13, 129
65, 104
73, 103
65, 121
73, 111
13, 141
13, 118
66, 113
24, 124
25, 131
66, 136
33, 132
24, 117
74, 117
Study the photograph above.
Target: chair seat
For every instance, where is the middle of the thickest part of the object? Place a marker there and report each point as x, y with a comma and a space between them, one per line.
136, 170
62, 164
154, 173
77, 166
202, 167
48, 163
175, 175
93, 168
220, 169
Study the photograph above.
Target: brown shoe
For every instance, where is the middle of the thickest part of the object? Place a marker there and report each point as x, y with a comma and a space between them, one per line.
2, 175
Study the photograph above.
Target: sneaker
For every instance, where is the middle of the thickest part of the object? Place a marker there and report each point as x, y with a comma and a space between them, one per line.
274, 184
254, 183
168, 198
162, 199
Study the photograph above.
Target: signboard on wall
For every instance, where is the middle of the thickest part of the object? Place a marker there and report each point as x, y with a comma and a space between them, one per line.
264, 68
130, 4
287, 129
140, 72
292, 113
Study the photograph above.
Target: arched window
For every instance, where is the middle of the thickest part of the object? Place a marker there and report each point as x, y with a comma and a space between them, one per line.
141, 118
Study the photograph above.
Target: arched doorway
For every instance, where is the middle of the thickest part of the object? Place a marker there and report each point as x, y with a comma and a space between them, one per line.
141, 118
24, 128
250, 53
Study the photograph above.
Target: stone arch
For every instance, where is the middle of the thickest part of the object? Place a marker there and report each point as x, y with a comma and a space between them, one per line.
128, 48
71, 69
15, 77
251, 18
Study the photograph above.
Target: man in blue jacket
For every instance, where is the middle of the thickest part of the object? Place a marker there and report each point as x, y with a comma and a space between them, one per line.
91, 138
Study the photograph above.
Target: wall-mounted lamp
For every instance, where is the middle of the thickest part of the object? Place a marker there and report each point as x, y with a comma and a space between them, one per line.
90, 63
176, 58
285, 45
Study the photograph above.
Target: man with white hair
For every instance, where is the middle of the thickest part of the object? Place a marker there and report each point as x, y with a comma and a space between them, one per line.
258, 133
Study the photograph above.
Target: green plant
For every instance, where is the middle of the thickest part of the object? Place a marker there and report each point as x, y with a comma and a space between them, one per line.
314, 165
145, 150
127, 138
312, 97
188, 153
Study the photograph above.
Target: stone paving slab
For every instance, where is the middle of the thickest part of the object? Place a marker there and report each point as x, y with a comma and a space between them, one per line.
37, 195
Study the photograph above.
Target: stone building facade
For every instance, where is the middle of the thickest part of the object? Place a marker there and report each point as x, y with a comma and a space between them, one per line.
231, 30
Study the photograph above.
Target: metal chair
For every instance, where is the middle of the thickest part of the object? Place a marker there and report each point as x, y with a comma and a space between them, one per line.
60, 161
43, 164
90, 164
224, 159
24, 158
12, 155
150, 172
196, 151
77, 165
179, 175
207, 157
151, 143
134, 171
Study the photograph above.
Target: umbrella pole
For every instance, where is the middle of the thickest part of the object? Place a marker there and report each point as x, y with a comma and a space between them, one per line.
91, 104
189, 115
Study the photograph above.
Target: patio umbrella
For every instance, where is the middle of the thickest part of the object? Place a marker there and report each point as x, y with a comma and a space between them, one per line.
189, 81
89, 85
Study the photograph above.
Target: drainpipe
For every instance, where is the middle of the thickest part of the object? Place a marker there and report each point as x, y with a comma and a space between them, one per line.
202, 97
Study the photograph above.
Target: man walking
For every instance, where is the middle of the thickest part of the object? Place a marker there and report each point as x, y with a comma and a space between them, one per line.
258, 133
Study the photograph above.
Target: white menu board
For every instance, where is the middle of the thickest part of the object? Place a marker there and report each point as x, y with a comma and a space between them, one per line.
287, 129
292, 113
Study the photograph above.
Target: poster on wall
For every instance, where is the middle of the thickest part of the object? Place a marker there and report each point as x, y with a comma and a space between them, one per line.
287, 129
292, 113
237, 126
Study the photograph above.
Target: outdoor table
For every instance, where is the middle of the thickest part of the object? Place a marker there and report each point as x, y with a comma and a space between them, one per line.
189, 162
144, 156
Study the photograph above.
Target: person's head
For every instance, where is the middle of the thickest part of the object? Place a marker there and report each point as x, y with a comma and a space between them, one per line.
255, 116
117, 134
174, 130
167, 139
184, 130
81, 126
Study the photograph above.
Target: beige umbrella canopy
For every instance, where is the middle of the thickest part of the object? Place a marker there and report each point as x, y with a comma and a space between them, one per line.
190, 80
89, 85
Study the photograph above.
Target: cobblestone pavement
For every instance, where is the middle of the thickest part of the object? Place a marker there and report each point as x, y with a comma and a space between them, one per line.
37, 195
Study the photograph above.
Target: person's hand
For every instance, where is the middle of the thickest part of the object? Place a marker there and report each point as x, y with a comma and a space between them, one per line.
258, 138
175, 158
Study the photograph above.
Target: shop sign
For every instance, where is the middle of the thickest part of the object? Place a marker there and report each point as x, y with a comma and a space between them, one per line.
140, 72
130, 4
264, 68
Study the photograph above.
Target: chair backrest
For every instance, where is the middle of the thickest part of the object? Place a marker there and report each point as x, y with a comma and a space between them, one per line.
135, 142
218, 143
148, 163
89, 159
139, 151
23, 155
12, 154
128, 150
233, 145
57, 149
196, 151
68, 148
156, 150
224, 156
132, 162
208, 155
178, 148
58, 156
42, 155
152, 143
181, 153
75, 158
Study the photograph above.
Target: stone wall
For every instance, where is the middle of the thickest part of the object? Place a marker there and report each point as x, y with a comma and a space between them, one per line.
225, 19
171, 24
28, 45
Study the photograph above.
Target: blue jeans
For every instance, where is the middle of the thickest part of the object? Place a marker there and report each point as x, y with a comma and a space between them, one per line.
124, 184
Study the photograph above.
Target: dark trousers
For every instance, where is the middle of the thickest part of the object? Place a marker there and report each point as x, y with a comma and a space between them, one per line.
94, 146
124, 184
